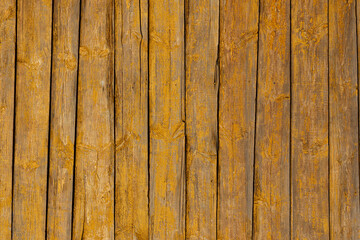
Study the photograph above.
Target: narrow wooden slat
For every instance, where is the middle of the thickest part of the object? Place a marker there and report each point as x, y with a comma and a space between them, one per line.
344, 136
94, 164
166, 100
309, 133
202, 28
63, 111
238, 67
131, 108
7, 85
34, 20
272, 150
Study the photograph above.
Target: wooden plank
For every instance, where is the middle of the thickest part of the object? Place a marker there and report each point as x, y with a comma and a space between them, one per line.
344, 135
7, 87
309, 127
167, 119
63, 112
238, 67
34, 20
131, 126
202, 81
272, 150
94, 165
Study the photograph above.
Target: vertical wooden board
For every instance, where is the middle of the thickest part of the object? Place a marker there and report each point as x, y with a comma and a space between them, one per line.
272, 150
32, 118
62, 121
131, 126
94, 165
344, 135
202, 28
309, 133
238, 67
7, 85
167, 126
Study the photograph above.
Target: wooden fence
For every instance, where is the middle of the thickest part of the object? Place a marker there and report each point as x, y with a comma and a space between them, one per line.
179, 119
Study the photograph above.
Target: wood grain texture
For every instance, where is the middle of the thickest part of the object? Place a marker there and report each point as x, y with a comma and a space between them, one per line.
309, 133
131, 125
202, 81
34, 20
238, 67
272, 150
167, 119
94, 164
7, 87
344, 135
62, 122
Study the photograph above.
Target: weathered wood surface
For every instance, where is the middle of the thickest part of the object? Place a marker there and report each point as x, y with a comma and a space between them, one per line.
94, 166
167, 119
131, 119
63, 117
272, 149
7, 86
179, 119
33, 65
344, 136
238, 71
202, 81
309, 120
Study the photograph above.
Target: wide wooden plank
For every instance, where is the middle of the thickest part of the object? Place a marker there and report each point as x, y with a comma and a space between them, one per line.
272, 150
7, 86
94, 165
167, 119
34, 20
62, 121
202, 81
309, 120
344, 135
238, 67
131, 126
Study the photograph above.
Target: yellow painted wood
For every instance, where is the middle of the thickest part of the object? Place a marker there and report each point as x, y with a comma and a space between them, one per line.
202, 81
238, 67
7, 86
167, 116
344, 136
32, 118
62, 122
94, 164
272, 150
131, 124
309, 128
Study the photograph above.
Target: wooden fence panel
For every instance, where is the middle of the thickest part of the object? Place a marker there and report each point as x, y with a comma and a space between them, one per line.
202, 82
94, 168
179, 119
238, 72
7, 86
167, 119
63, 116
309, 127
343, 135
272, 150
33, 63
131, 119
